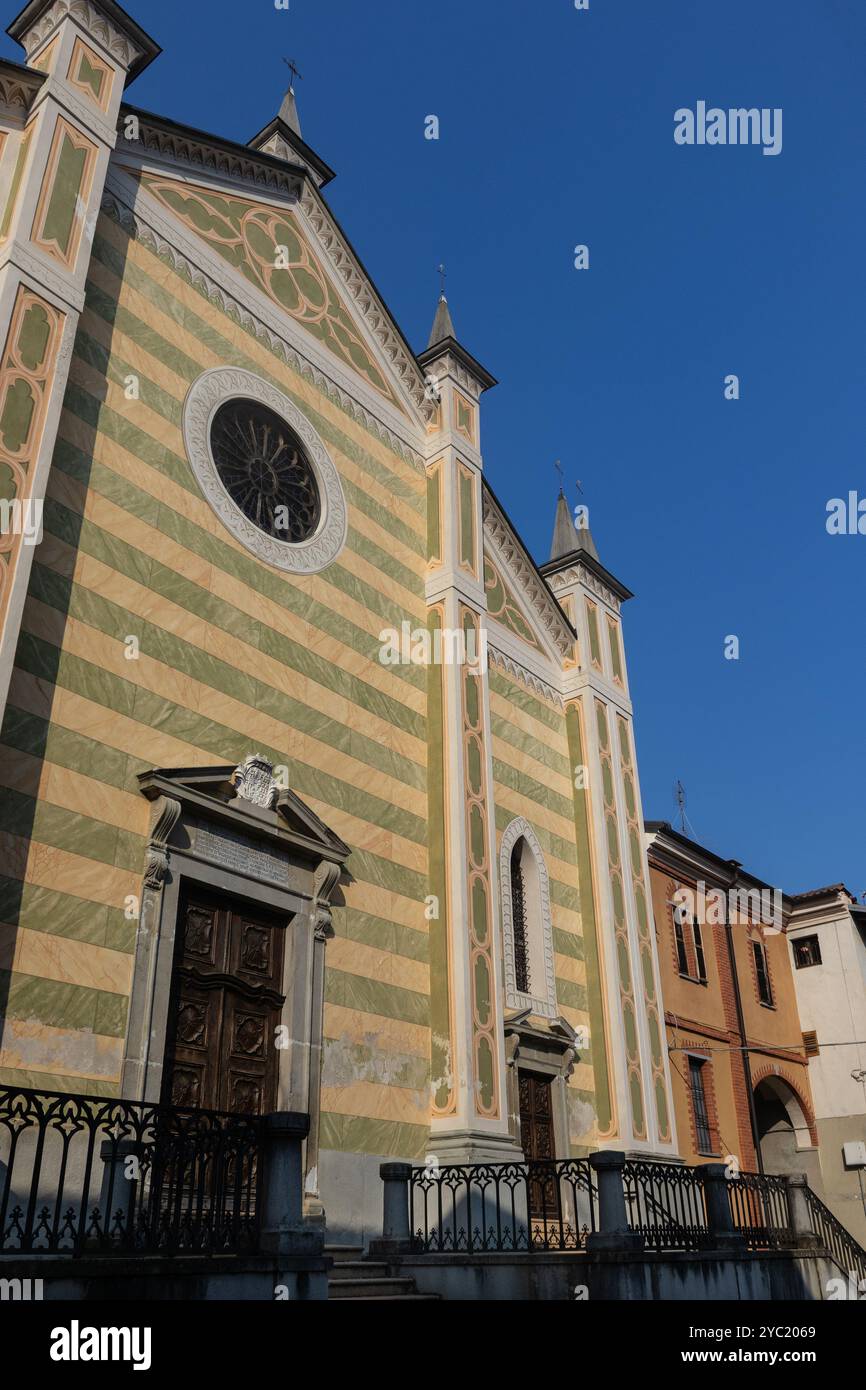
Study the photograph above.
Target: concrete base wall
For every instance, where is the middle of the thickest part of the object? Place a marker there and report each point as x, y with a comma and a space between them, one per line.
254, 1278
621, 1278
351, 1191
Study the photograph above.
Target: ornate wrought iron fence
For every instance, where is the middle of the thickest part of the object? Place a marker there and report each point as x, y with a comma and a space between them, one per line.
80, 1174
845, 1250
541, 1205
759, 1209
665, 1205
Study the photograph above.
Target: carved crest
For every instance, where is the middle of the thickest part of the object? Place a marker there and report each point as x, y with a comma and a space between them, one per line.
254, 781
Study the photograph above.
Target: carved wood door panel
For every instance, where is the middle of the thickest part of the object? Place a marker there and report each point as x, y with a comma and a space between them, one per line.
537, 1135
225, 1008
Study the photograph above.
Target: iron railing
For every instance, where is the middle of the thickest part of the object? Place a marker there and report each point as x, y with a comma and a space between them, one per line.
540, 1205
665, 1205
759, 1209
81, 1174
553, 1206
848, 1253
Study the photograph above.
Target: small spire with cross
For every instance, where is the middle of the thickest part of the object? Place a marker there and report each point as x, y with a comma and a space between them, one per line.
293, 69
289, 110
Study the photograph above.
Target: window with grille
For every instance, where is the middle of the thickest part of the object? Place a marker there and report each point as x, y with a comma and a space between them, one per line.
519, 924
807, 951
703, 1133
762, 970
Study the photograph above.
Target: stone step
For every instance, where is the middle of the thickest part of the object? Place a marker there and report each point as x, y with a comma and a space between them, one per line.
372, 1288
341, 1253
392, 1298
358, 1269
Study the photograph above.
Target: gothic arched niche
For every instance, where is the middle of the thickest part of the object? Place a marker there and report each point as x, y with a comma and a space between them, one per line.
526, 925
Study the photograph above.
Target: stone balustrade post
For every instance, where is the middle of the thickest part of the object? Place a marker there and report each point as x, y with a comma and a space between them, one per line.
119, 1189
723, 1235
396, 1230
613, 1232
282, 1228
799, 1218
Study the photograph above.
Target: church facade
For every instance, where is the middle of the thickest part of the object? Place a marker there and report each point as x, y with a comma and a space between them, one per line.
316, 792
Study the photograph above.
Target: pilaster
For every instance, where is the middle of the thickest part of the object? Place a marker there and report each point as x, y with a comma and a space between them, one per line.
56, 149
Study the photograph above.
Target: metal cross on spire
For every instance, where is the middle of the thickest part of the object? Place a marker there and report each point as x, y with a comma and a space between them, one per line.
293, 69
442, 273
558, 466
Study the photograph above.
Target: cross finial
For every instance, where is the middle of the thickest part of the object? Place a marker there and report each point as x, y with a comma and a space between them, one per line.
558, 466
442, 273
293, 69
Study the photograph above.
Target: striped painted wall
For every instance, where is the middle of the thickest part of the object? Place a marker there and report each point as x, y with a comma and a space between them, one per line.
532, 778
234, 656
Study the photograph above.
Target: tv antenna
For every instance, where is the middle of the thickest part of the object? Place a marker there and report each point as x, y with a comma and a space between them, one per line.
686, 827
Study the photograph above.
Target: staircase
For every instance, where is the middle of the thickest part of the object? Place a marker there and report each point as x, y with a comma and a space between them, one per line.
352, 1278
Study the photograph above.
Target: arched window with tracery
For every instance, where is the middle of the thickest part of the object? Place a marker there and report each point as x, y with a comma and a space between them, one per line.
527, 929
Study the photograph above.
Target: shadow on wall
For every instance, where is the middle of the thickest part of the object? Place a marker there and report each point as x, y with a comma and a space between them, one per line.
786, 1143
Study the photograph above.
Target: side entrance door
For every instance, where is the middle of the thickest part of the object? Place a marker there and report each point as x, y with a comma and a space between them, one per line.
225, 1008
537, 1135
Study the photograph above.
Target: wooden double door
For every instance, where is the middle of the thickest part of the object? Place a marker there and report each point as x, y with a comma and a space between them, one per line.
226, 1001
539, 1143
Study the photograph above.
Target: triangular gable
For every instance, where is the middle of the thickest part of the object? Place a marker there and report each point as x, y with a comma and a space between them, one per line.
518, 597
266, 245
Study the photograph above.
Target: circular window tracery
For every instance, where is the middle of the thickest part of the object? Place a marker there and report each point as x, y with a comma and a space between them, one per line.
265, 471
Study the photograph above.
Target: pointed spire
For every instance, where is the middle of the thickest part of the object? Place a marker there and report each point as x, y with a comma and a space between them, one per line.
289, 112
443, 326
568, 538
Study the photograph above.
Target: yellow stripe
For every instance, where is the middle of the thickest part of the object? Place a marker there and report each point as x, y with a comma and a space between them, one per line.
47, 867
357, 959
63, 958
372, 1030
378, 1102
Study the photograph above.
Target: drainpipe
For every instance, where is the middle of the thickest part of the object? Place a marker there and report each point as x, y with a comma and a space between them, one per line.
741, 1022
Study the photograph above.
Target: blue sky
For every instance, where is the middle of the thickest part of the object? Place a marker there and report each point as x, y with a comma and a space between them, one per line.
556, 128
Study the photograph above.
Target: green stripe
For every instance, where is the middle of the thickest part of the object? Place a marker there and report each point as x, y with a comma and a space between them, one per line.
60, 914
60, 1005
354, 1134
571, 994
535, 791
57, 1081
568, 943
374, 997
388, 936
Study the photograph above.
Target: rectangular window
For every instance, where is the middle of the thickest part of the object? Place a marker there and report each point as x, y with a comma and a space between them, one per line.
807, 951
680, 937
703, 1135
762, 970
699, 951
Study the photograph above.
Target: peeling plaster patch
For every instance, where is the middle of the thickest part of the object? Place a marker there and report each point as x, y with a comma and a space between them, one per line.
581, 1115
31, 1045
445, 1082
346, 1061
